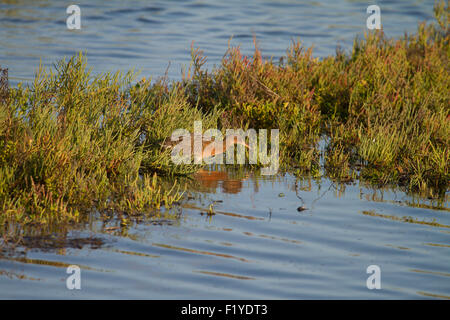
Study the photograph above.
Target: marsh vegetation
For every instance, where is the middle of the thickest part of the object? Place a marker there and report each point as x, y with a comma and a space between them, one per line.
72, 143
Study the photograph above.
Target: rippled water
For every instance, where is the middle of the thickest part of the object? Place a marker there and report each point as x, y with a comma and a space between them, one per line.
147, 35
257, 244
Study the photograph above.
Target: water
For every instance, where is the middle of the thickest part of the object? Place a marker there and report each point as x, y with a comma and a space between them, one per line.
147, 35
257, 245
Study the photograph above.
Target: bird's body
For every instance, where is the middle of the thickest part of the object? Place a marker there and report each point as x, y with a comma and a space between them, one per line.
209, 148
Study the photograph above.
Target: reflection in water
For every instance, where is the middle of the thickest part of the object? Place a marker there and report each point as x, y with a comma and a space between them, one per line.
232, 186
444, 274
230, 214
377, 195
140, 254
228, 256
253, 234
12, 275
272, 238
227, 275
293, 255
398, 247
51, 242
50, 263
432, 295
437, 245
405, 219
211, 180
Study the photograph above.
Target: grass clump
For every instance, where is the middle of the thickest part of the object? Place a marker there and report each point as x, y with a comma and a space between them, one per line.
383, 107
72, 143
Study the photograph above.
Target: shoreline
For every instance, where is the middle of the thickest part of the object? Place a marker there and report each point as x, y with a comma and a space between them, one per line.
71, 143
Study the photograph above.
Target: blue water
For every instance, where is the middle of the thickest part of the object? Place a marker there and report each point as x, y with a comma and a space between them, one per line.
257, 245
148, 35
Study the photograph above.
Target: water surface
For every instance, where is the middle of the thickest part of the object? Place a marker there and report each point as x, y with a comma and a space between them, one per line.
148, 35
257, 245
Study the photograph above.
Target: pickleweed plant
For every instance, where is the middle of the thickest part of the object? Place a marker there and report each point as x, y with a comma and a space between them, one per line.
72, 143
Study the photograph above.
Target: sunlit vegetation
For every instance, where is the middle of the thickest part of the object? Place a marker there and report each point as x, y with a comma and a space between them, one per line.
383, 108
72, 143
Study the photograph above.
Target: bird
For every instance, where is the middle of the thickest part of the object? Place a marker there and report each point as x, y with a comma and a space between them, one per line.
210, 147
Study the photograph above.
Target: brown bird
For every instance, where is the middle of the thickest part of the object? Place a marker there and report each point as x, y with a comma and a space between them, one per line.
210, 148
